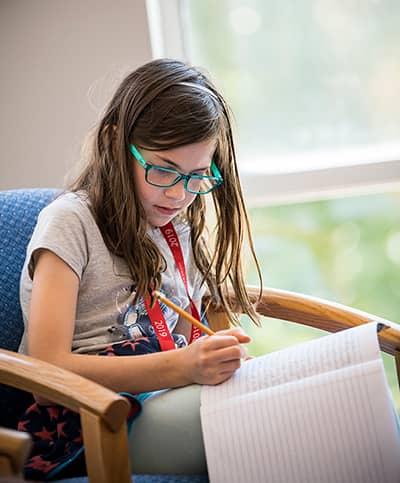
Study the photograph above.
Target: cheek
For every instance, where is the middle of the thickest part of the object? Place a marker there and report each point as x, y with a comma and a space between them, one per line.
143, 189
148, 193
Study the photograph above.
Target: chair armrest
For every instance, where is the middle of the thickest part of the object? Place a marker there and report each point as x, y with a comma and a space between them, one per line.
322, 314
311, 311
14, 449
103, 412
63, 387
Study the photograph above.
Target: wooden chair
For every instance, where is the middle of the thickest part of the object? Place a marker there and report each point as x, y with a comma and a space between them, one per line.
317, 313
103, 413
14, 449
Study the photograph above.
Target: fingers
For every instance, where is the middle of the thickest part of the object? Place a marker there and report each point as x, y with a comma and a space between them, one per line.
229, 337
227, 369
226, 354
222, 375
213, 359
237, 332
218, 341
230, 366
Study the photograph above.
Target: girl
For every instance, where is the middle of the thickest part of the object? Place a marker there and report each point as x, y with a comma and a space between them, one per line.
134, 221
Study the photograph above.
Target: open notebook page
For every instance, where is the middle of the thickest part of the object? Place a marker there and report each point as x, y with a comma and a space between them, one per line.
337, 425
327, 353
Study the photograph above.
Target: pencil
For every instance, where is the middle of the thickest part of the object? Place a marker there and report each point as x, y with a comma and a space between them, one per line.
184, 314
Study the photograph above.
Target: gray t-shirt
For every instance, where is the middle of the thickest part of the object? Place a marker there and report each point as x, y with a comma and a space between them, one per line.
105, 313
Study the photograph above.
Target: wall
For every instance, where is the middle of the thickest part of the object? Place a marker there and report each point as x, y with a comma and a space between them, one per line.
61, 60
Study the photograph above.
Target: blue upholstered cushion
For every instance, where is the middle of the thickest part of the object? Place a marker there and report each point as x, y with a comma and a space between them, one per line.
19, 210
153, 479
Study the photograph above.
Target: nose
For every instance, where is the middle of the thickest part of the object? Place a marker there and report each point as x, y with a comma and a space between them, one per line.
176, 192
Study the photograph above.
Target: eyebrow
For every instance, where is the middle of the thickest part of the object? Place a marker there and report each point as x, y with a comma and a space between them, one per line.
171, 163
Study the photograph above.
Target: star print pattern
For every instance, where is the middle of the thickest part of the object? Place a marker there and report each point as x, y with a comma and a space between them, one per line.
143, 345
44, 434
53, 412
39, 464
56, 431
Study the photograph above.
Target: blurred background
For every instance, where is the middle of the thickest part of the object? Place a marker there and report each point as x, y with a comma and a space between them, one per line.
314, 88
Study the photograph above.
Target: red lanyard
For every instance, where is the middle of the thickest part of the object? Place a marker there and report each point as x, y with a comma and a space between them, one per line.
159, 324
155, 313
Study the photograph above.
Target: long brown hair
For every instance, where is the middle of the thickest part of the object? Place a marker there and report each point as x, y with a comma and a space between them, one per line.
163, 105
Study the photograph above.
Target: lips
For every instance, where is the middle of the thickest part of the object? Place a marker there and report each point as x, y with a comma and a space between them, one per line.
166, 211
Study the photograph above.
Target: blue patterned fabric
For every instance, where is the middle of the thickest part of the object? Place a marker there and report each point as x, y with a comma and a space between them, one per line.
153, 479
19, 210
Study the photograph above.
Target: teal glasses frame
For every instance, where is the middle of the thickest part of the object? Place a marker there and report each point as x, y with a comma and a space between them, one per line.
215, 178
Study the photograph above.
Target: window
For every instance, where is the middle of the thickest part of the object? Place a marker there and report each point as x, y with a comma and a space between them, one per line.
313, 85
314, 90
345, 250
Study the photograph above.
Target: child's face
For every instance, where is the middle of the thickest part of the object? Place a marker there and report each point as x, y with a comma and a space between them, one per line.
163, 204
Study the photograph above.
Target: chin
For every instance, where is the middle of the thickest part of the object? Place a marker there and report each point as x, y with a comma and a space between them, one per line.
158, 221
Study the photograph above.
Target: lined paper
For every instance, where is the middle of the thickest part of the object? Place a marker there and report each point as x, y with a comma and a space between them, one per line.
317, 412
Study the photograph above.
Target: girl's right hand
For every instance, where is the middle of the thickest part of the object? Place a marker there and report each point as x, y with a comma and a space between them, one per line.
213, 359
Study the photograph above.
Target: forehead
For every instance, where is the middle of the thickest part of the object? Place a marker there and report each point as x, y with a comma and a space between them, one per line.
188, 157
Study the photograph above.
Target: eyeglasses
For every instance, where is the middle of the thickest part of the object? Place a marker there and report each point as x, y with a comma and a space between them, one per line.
167, 177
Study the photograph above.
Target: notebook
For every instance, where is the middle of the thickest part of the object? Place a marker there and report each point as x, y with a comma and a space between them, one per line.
320, 411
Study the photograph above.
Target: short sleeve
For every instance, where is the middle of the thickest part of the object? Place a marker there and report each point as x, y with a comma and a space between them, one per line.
62, 229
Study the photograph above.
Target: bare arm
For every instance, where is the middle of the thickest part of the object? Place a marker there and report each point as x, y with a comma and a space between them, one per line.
209, 360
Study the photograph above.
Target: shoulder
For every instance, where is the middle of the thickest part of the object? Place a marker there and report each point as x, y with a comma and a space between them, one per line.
64, 227
66, 219
68, 203
67, 208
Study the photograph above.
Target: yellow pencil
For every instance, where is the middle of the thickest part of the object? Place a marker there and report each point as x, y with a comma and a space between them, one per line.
184, 314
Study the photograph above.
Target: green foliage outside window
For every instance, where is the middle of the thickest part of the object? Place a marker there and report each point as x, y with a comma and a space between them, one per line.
346, 250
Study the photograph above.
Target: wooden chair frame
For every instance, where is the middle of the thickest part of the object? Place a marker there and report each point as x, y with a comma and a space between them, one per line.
14, 449
314, 312
103, 412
